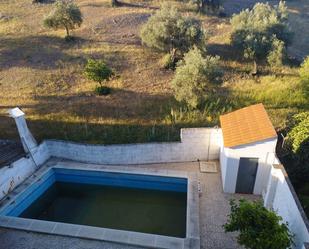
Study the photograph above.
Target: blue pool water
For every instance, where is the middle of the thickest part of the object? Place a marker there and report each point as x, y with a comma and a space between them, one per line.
142, 203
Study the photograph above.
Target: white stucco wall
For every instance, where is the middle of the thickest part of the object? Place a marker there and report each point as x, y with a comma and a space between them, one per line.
14, 174
229, 161
305, 246
196, 144
284, 203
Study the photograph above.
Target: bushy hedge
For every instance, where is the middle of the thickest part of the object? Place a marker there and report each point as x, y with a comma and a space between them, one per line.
297, 144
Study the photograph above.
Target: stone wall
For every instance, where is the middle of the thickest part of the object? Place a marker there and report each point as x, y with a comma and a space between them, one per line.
196, 144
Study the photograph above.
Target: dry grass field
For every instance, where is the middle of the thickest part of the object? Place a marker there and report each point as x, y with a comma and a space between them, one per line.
42, 73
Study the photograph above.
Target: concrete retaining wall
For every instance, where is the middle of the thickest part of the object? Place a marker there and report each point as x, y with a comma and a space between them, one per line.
15, 173
281, 197
196, 144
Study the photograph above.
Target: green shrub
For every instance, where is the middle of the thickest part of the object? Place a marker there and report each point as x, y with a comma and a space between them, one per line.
258, 227
99, 72
195, 77
65, 14
261, 32
298, 136
168, 31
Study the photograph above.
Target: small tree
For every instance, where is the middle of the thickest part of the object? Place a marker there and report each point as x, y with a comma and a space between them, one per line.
195, 77
258, 227
99, 72
168, 31
261, 31
65, 14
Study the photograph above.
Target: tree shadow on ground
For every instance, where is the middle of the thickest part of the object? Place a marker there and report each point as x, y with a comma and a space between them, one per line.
95, 5
119, 105
134, 5
225, 51
43, 1
234, 7
40, 52
90, 132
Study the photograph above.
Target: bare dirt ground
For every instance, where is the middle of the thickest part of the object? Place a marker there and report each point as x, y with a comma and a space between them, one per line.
43, 74
122, 29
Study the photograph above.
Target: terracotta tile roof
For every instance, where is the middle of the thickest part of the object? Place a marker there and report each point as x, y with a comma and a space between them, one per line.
247, 125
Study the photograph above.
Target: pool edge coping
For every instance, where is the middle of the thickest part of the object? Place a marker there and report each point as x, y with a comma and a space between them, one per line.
192, 239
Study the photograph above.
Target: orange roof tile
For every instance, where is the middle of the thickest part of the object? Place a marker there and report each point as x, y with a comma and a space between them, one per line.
247, 125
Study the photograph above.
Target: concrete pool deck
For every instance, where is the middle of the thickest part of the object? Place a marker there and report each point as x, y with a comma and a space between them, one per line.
213, 206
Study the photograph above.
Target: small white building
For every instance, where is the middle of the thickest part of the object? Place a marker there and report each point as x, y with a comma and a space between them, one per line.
249, 143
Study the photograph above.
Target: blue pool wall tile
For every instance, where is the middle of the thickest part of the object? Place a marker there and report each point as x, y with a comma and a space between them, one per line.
122, 180
29, 195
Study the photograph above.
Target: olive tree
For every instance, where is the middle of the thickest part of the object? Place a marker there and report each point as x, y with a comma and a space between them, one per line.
195, 77
66, 15
261, 33
258, 227
168, 31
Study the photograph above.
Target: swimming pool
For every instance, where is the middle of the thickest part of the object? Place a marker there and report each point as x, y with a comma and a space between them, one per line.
140, 203
141, 209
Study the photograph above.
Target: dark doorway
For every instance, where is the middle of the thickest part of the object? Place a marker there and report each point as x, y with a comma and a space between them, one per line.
246, 175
